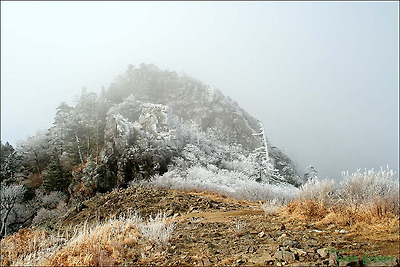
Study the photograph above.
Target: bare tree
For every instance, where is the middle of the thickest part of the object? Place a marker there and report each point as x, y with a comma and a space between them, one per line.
35, 150
10, 197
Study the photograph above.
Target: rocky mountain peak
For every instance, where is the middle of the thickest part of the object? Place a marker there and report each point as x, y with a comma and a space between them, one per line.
158, 105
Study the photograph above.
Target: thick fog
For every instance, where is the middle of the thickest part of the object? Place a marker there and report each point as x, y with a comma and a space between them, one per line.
322, 77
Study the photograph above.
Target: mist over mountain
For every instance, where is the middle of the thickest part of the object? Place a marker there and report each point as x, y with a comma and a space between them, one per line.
162, 103
150, 127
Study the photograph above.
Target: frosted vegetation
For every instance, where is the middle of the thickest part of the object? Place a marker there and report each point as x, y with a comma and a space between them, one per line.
104, 244
376, 190
155, 128
231, 183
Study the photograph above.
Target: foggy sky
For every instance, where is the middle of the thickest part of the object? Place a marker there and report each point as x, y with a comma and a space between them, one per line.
321, 76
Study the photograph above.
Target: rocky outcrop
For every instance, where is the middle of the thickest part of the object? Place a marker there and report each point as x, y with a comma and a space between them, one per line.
155, 114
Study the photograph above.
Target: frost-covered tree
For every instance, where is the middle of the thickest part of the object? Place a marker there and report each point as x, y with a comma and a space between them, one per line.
35, 151
48, 206
311, 174
78, 131
9, 162
10, 196
90, 173
267, 172
59, 133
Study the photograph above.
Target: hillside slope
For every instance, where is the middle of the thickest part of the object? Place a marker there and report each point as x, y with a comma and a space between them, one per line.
209, 229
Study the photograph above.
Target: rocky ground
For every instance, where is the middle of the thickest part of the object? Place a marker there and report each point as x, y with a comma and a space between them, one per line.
211, 229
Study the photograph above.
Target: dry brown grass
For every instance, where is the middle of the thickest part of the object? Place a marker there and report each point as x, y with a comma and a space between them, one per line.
307, 209
116, 242
22, 243
346, 215
104, 245
377, 223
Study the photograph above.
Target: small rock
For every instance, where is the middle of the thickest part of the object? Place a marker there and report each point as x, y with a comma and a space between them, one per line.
290, 243
286, 256
343, 231
283, 236
323, 252
171, 250
298, 251
261, 234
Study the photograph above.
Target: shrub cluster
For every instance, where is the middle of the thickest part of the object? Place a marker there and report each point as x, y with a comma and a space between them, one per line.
361, 196
110, 243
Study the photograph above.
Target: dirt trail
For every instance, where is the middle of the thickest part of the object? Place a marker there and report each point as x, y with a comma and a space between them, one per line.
220, 216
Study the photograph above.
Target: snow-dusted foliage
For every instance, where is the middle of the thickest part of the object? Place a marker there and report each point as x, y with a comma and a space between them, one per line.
271, 206
11, 206
51, 200
157, 230
152, 128
195, 121
48, 206
231, 183
90, 173
44, 215
368, 190
368, 187
35, 151
317, 189
9, 163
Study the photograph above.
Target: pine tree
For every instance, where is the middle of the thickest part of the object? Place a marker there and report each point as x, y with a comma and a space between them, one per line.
9, 163
54, 177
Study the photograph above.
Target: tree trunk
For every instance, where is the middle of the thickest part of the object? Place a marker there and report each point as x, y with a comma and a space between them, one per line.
37, 161
79, 147
88, 145
4, 222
